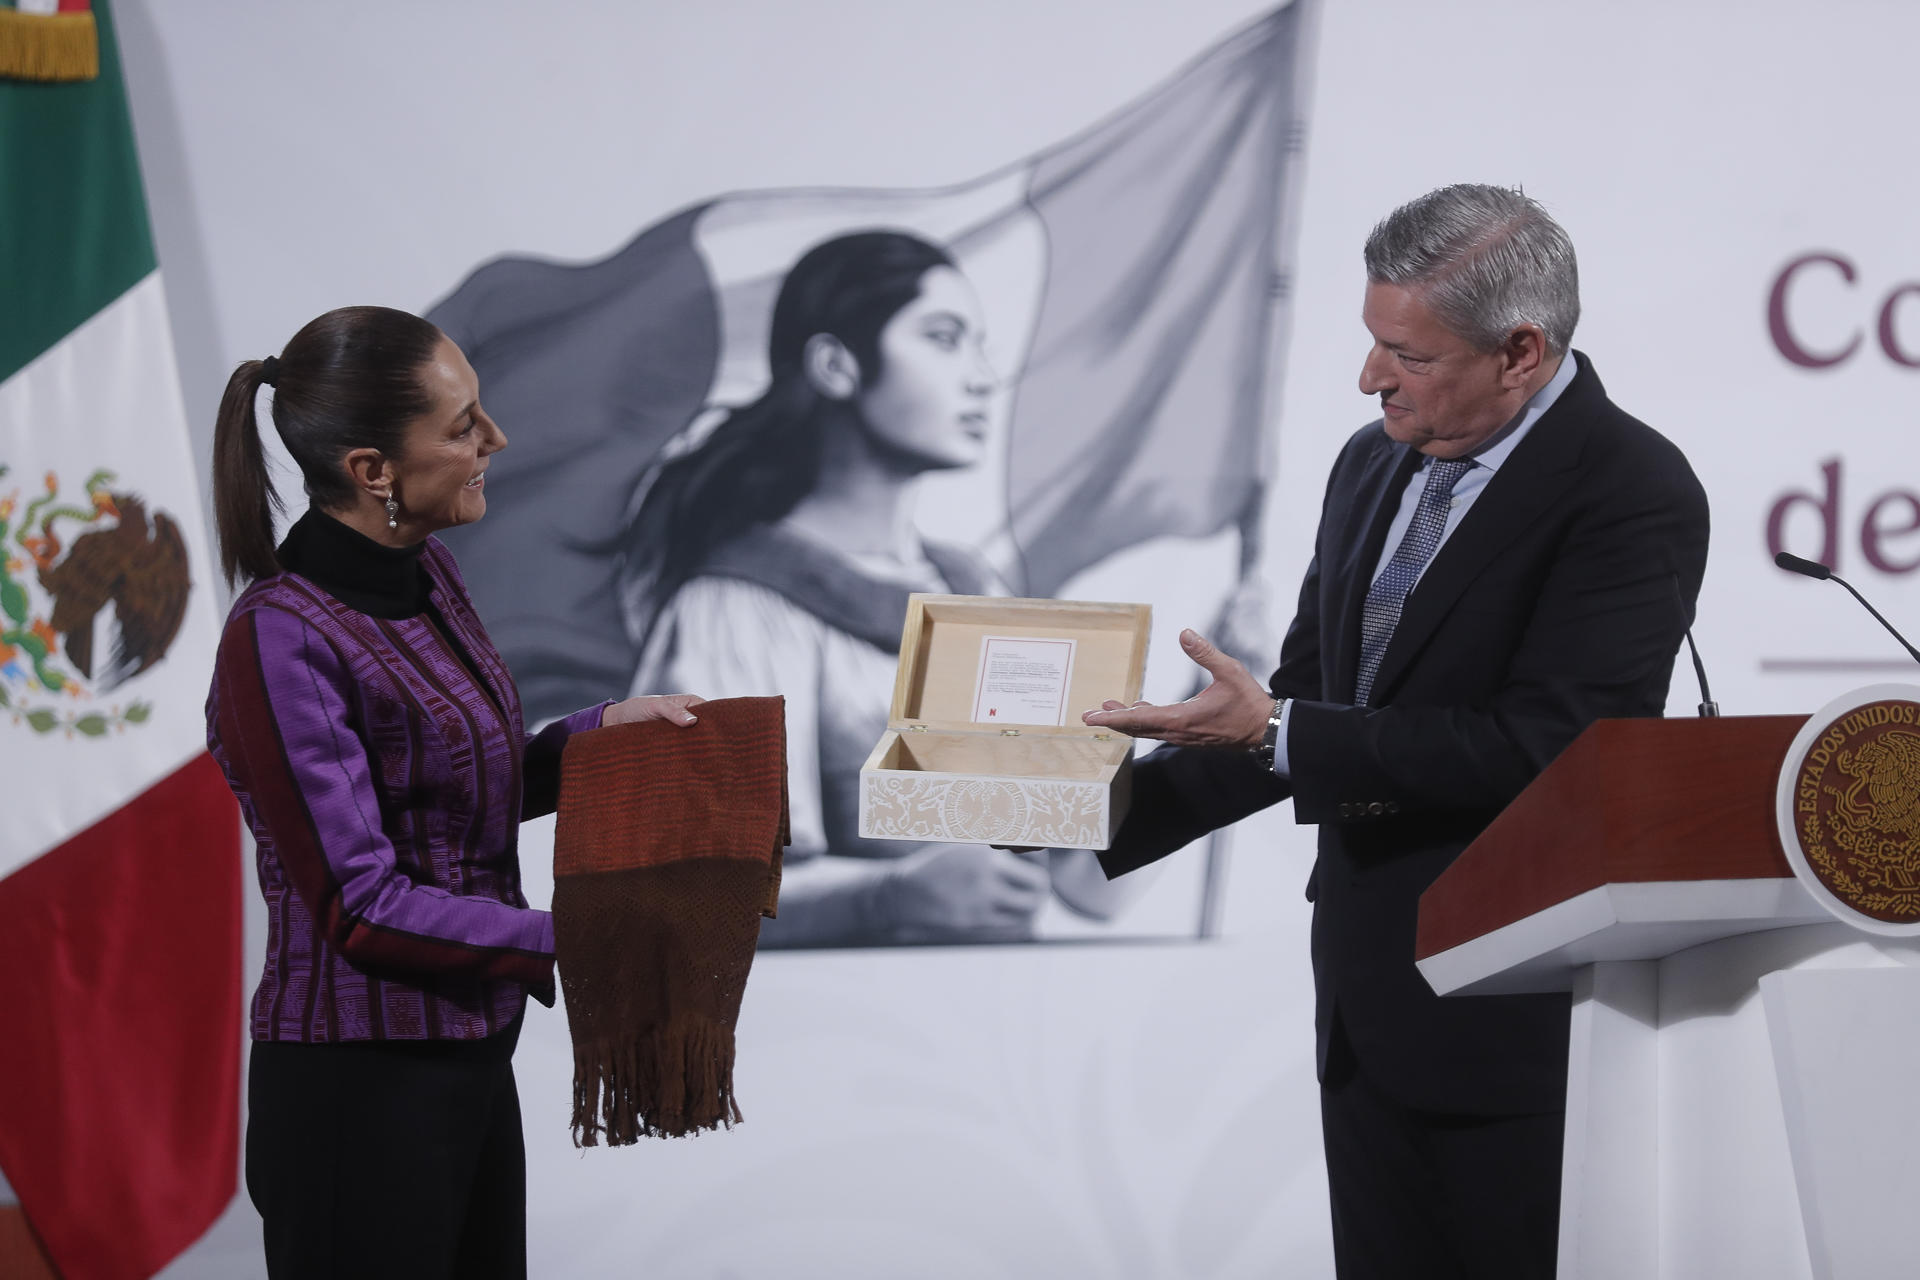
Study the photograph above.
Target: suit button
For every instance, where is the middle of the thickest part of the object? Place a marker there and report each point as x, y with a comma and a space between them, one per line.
1376, 808
1346, 811
1393, 806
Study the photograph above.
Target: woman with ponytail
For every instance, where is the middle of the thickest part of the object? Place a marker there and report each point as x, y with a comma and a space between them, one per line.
374, 740
774, 552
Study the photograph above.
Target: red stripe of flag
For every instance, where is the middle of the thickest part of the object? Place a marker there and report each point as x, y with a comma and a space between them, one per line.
120, 999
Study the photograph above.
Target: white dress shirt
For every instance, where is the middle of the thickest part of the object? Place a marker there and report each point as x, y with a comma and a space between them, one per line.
1487, 459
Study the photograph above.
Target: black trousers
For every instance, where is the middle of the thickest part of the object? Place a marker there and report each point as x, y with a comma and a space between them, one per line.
388, 1160
1419, 1195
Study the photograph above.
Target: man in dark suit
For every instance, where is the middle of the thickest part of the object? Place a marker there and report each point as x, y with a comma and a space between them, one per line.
1502, 558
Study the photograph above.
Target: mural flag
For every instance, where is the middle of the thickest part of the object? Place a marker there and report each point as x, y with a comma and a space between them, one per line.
1130, 278
119, 853
1142, 404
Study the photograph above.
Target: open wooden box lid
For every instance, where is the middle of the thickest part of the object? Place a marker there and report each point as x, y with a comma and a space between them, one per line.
945, 652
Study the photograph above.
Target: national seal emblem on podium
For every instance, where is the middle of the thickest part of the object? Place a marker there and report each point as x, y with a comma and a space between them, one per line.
1849, 808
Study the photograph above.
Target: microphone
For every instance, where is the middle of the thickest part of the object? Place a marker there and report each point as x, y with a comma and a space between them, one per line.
1814, 569
1708, 707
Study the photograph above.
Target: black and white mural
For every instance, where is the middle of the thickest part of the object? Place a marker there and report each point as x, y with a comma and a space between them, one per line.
741, 440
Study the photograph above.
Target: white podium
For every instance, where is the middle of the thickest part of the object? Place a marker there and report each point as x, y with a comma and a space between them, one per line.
1743, 1095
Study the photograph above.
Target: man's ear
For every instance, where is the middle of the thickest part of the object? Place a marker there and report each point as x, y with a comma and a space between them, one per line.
830, 367
1524, 351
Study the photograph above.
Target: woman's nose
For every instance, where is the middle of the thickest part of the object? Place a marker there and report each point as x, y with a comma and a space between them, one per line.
981, 379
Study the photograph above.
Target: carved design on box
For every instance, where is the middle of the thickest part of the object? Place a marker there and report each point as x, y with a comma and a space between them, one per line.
985, 809
1065, 815
903, 808
990, 810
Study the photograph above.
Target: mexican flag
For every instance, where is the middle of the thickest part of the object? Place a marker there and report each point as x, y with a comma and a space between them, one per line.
119, 849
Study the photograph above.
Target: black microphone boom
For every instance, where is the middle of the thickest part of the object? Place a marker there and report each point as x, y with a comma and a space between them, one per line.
1814, 569
1794, 564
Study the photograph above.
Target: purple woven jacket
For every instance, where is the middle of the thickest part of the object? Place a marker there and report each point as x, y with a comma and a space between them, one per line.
385, 786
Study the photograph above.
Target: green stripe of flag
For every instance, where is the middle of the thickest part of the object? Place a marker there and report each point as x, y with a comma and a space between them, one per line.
73, 218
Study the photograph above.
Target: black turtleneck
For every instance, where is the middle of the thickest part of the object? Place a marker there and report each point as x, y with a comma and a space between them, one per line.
386, 582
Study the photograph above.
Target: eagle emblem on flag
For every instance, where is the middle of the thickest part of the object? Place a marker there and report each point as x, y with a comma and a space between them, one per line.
93, 589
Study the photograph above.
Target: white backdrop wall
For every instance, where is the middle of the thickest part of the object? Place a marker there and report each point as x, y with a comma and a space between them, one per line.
1095, 1110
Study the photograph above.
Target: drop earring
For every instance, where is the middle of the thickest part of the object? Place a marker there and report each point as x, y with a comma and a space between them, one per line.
393, 513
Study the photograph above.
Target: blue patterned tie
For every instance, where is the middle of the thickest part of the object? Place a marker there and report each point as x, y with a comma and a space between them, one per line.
1389, 591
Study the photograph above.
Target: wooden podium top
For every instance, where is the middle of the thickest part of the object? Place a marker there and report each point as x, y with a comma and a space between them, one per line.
1631, 805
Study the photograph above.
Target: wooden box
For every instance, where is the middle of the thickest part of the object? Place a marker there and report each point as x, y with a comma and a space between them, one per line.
982, 748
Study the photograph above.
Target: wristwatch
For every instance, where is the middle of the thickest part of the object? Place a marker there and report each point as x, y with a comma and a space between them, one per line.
1270, 740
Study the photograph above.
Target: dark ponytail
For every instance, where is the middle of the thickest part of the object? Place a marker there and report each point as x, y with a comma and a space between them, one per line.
351, 379
244, 500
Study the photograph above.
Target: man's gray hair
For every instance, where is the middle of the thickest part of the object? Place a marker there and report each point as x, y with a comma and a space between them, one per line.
1485, 260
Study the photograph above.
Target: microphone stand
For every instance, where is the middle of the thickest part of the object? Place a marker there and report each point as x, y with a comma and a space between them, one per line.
1708, 707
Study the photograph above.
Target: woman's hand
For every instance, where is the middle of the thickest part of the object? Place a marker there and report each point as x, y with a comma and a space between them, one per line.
673, 707
960, 890
1082, 885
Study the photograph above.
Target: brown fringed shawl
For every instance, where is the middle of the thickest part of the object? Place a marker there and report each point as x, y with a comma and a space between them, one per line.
666, 855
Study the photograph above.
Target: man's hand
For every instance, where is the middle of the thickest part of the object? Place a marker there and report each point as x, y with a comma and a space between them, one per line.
1230, 712
674, 707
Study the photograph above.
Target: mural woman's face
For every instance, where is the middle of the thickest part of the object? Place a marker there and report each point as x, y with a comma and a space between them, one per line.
930, 402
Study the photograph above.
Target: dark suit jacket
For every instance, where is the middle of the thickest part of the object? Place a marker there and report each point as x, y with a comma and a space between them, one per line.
1557, 601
